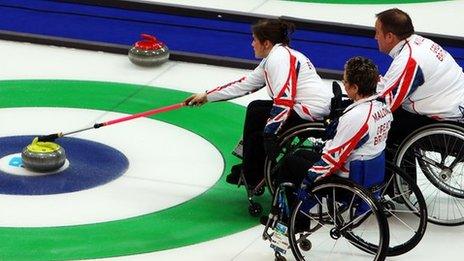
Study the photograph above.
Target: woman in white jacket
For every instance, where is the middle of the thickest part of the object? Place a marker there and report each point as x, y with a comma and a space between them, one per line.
297, 92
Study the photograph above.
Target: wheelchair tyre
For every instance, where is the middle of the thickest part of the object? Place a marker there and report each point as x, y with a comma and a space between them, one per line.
290, 141
408, 219
438, 150
368, 231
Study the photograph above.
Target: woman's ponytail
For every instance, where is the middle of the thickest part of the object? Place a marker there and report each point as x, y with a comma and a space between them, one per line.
274, 30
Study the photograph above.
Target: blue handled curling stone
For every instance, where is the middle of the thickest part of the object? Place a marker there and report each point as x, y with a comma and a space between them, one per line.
43, 156
148, 52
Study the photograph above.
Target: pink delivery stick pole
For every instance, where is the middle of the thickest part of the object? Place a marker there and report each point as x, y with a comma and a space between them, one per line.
53, 137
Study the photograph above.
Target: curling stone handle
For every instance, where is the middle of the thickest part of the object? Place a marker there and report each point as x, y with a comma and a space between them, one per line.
50, 138
149, 37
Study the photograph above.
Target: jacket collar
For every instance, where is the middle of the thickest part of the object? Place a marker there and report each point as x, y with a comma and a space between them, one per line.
395, 51
361, 101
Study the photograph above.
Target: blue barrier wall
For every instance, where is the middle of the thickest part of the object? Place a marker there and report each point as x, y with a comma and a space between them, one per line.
181, 33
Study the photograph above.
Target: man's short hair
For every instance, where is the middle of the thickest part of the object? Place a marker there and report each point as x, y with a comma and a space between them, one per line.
397, 22
364, 73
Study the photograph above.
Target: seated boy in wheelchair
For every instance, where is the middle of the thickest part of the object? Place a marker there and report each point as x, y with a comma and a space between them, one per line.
355, 143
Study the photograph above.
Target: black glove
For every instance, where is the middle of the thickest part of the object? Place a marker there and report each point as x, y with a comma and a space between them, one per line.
271, 146
331, 129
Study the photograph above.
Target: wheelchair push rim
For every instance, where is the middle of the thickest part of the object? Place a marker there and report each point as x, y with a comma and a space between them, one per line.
298, 137
434, 156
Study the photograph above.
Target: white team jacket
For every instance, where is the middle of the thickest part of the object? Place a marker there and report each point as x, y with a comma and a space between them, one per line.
424, 79
292, 83
361, 134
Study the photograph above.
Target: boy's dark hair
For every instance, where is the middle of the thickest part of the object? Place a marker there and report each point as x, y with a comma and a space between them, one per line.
397, 22
364, 73
274, 30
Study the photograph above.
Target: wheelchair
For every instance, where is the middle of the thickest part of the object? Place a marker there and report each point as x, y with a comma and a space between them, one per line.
405, 214
434, 157
405, 209
314, 129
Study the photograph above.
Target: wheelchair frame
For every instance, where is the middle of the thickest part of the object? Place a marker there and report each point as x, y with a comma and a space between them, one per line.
298, 137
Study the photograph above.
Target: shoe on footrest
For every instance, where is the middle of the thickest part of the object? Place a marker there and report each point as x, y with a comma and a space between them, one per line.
238, 151
233, 179
234, 176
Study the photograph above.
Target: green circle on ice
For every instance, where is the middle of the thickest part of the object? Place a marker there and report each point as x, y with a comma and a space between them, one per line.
219, 211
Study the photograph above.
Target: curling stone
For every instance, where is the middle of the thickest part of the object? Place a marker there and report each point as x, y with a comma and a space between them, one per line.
43, 156
149, 51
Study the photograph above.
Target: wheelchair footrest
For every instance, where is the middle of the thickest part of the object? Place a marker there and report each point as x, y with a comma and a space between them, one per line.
238, 151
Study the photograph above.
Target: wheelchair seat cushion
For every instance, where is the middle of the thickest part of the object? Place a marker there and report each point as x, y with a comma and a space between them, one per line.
368, 173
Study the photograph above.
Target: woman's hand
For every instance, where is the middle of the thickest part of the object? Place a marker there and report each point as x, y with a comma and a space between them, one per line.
196, 100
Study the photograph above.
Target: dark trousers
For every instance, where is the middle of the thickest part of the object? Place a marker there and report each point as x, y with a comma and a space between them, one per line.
253, 149
404, 123
294, 169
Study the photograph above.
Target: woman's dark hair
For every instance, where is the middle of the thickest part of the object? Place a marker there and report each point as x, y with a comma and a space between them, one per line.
397, 22
364, 73
274, 30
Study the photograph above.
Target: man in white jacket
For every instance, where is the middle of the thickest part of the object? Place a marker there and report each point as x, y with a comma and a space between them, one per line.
423, 84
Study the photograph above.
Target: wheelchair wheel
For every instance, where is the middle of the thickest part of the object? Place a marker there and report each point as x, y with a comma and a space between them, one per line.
308, 136
434, 157
255, 209
354, 219
405, 209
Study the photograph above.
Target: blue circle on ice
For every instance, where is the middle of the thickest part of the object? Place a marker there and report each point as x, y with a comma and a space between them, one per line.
91, 164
